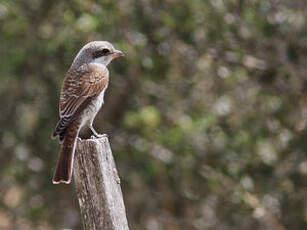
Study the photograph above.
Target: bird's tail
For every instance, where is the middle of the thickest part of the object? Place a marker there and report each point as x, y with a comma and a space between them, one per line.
64, 167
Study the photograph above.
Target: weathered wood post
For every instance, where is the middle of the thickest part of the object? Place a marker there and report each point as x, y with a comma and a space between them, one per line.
98, 186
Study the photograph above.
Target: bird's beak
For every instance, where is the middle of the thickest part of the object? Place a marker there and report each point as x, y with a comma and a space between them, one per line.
118, 53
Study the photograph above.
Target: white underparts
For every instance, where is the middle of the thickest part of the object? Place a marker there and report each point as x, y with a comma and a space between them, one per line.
92, 109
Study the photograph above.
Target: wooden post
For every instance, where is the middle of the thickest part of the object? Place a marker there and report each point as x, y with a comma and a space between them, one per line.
98, 186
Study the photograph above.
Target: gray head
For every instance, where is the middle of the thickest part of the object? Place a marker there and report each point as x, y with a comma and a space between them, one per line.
101, 52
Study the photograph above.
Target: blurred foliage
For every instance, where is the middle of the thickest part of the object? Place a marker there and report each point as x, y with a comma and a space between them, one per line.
207, 113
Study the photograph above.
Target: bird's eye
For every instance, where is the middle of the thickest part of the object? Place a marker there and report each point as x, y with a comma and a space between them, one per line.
105, 51
100, 53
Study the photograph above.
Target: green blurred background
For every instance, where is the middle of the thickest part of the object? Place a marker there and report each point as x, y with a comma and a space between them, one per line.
206, 114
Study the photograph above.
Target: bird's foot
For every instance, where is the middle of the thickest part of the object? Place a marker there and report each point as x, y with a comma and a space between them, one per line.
98, 135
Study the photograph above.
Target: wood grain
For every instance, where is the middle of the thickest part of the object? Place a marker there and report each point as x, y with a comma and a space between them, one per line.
98, 186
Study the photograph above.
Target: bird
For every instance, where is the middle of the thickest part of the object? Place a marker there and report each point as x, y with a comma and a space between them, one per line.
81, 97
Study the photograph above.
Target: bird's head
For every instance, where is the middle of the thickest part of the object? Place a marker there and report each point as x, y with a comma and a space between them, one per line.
101, 52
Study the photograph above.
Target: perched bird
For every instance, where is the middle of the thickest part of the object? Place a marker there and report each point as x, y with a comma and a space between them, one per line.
81, 98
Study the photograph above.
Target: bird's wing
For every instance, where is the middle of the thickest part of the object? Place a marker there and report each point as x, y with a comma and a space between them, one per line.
84, 83
79, 88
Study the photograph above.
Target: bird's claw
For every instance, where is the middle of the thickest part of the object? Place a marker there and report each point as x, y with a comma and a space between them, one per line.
97, 135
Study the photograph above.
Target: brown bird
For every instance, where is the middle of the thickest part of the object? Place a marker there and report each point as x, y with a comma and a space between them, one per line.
81, 98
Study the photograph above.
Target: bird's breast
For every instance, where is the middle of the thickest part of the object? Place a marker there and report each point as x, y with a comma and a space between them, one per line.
98, 101
94, 106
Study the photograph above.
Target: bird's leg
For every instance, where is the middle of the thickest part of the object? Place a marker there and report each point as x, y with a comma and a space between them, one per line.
97, 134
